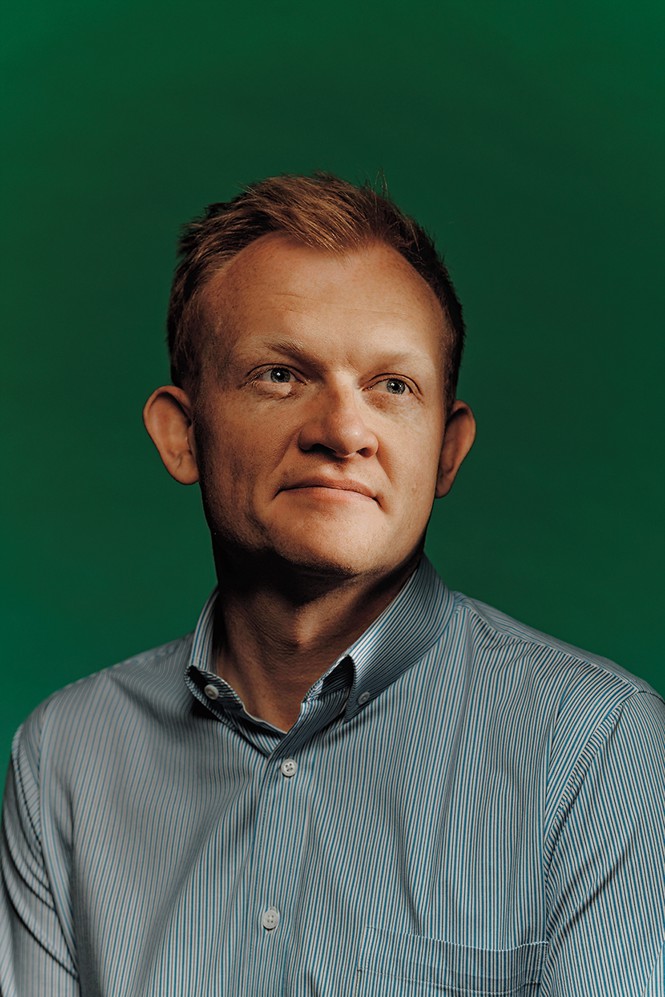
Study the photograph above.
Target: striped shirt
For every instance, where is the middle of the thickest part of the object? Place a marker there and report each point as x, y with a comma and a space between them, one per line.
464, 806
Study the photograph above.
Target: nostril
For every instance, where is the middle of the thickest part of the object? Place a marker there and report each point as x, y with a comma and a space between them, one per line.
341, 443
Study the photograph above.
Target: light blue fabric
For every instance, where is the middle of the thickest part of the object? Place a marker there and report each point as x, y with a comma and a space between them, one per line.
464, 806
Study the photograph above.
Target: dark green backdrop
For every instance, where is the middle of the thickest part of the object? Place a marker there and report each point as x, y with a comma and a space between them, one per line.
525, 135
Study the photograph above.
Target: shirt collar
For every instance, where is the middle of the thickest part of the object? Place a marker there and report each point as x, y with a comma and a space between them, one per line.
400, 636
396, 640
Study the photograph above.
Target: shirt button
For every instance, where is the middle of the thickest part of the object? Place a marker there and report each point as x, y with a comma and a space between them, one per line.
211, 691
363, 698
270, 918
289, 767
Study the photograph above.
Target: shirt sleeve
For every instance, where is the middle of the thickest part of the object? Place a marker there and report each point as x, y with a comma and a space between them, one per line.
606, 877
35, 957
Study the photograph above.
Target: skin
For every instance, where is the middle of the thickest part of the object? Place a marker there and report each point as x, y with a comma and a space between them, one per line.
319, 436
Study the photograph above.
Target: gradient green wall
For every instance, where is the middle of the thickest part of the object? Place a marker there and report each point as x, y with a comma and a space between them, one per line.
525, 135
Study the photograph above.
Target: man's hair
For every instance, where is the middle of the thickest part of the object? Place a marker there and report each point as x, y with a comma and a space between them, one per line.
322, 212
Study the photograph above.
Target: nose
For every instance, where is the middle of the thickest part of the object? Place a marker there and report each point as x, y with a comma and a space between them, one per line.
335, 423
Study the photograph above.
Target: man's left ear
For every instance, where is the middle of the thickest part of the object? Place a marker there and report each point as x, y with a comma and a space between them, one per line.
457, 441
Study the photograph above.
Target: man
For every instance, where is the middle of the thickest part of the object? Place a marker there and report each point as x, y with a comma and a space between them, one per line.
349, 779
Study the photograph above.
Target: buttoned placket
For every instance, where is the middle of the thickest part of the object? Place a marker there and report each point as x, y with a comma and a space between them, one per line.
279, 832
277, 837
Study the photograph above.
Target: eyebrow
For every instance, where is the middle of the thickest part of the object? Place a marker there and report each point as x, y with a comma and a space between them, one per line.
292, 349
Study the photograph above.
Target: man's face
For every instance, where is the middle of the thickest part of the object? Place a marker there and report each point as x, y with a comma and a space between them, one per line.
319, 420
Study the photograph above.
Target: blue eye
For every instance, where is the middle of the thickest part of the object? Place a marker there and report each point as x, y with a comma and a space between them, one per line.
277, 375
395, 386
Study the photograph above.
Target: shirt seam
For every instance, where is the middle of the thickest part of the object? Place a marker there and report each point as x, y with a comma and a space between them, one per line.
591, 749
585, 759
20, 783
407, 978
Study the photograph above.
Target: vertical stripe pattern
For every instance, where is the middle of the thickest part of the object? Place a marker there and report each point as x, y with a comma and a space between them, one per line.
464, 806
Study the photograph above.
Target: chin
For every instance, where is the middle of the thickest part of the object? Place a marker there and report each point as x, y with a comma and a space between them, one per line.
341, 550
337, 563
330, 553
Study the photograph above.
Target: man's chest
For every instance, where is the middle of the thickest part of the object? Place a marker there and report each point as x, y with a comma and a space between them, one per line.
351, 864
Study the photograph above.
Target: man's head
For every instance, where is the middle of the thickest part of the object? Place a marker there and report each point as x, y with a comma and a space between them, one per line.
311, 383
320, 212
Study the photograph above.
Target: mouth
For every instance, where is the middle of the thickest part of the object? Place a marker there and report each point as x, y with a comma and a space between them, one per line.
332, 488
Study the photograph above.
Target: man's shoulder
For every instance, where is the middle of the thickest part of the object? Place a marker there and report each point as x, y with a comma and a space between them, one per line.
500, 636
562, 701
153, 679
546, 681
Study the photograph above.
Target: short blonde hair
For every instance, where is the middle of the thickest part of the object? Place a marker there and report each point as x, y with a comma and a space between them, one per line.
321, 211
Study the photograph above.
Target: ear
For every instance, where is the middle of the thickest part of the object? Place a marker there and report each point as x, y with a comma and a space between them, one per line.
167, 415
458, 439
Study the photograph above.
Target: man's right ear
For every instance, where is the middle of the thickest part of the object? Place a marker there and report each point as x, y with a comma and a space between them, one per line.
167, 415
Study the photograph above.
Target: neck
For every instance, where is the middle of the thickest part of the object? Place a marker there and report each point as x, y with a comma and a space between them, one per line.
278, 631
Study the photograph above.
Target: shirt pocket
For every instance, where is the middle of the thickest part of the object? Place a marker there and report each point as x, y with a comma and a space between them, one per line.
395, 965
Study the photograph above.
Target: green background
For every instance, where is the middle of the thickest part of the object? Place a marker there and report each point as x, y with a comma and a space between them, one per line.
526, 137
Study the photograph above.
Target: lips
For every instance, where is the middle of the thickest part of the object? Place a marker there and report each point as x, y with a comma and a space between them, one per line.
336, 484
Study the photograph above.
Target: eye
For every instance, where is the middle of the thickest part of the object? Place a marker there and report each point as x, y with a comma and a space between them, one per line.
276, 375
393, 386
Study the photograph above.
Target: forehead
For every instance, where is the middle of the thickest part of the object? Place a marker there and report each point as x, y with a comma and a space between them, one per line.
275, 280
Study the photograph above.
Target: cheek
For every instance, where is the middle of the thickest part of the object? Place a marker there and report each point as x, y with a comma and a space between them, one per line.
414, 463
219, 459
217, 445
236, 466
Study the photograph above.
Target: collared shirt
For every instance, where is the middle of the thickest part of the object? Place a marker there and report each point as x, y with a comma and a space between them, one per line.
464, 806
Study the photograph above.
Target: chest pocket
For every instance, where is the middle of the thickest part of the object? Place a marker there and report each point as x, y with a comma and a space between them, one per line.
394, 965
